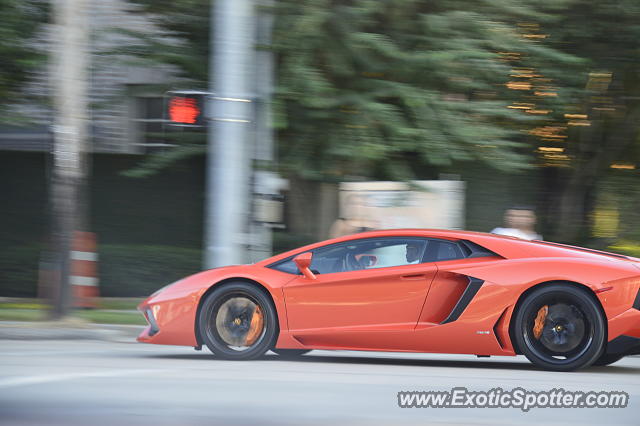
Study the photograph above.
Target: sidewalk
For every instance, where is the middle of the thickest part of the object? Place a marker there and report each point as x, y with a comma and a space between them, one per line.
69, 329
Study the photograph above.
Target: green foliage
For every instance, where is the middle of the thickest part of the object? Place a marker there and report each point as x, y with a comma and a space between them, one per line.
384, 86
630, 248
596, 115
19, 271
134, 270
396, 85
20, 20
388, 89
96, 316
185, 20
102, 317
22, 315
119, 303
124, 270
154, 163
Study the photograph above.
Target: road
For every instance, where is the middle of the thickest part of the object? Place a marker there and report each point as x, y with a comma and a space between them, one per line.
84, 382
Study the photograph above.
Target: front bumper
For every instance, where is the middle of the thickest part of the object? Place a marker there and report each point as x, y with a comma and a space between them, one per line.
170, 322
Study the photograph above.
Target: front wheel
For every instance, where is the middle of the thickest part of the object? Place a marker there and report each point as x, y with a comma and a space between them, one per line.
238, 322
560, 327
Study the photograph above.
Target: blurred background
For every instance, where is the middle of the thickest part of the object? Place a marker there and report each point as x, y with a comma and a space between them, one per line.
178, 135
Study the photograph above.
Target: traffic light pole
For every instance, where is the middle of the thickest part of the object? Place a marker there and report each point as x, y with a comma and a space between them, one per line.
231, 114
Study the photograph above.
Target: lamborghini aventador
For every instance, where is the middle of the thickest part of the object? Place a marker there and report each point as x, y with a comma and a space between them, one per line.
411, 290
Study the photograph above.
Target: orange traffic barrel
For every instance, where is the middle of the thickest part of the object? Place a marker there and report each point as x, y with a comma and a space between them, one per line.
84, 270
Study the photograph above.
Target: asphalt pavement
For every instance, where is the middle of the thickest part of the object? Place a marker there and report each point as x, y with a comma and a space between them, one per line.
82, 382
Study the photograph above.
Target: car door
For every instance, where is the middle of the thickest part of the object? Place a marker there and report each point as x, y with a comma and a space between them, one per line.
360, 286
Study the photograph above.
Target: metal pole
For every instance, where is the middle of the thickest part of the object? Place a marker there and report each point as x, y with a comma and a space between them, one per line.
228, 160
70, 134
263, 150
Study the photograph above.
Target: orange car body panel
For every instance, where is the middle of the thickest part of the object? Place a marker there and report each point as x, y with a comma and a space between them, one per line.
404, 308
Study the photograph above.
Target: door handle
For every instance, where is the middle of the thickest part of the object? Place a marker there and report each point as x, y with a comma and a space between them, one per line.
414, 277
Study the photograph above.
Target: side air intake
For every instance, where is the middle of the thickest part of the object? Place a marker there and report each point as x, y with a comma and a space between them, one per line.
468, 295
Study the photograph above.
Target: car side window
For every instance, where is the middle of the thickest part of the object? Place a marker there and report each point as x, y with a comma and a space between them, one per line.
369, 253
448, 250
287, 266
374, 253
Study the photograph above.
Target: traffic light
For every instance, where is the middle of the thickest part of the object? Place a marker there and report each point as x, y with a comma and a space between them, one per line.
186, 109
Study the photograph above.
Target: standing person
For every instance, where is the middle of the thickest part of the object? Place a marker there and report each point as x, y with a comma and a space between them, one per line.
519, 222
355, 217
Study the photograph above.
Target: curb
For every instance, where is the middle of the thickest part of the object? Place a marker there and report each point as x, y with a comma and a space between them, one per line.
66, 330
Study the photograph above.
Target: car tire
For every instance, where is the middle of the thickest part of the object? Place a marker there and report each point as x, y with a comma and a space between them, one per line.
560, 327
607, 359
230, 316
290, 353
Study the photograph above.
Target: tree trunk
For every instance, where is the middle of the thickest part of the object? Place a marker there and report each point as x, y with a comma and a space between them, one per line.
573, 212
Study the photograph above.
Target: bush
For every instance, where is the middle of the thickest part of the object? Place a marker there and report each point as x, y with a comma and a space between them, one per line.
134, 270
19, 271
124, 270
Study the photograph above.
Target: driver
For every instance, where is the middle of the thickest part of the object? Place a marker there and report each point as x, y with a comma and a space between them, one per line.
413, 252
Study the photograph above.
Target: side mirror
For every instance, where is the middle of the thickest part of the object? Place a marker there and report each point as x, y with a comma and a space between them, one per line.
303, 262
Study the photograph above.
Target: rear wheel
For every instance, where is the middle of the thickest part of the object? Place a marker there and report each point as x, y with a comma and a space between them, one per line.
290, 353
238, 322
559, 327
607, 359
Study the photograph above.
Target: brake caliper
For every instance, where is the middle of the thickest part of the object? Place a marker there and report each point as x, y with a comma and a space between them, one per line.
541, 318
255, 328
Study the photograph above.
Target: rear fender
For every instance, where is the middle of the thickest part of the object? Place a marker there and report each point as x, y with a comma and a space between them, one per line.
614, 282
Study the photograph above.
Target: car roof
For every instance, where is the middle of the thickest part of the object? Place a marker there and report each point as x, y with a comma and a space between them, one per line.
407, 232
506, 246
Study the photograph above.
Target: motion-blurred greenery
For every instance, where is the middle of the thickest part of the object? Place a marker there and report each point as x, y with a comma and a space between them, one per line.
630, 248
134, 270
20, 20
124, 270
96, 316
370, 89
396, 89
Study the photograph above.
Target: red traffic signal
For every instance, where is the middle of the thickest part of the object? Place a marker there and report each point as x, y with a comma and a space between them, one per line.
186, 109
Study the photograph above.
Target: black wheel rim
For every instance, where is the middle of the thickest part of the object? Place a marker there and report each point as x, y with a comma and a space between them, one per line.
231, 322
557, 329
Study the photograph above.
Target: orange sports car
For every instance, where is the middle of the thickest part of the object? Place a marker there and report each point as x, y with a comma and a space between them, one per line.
411, 290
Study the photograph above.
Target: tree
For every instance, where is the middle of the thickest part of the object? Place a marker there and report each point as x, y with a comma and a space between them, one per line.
185, 39
596, 122
368, 86
20, 20
379, 88
387, 89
